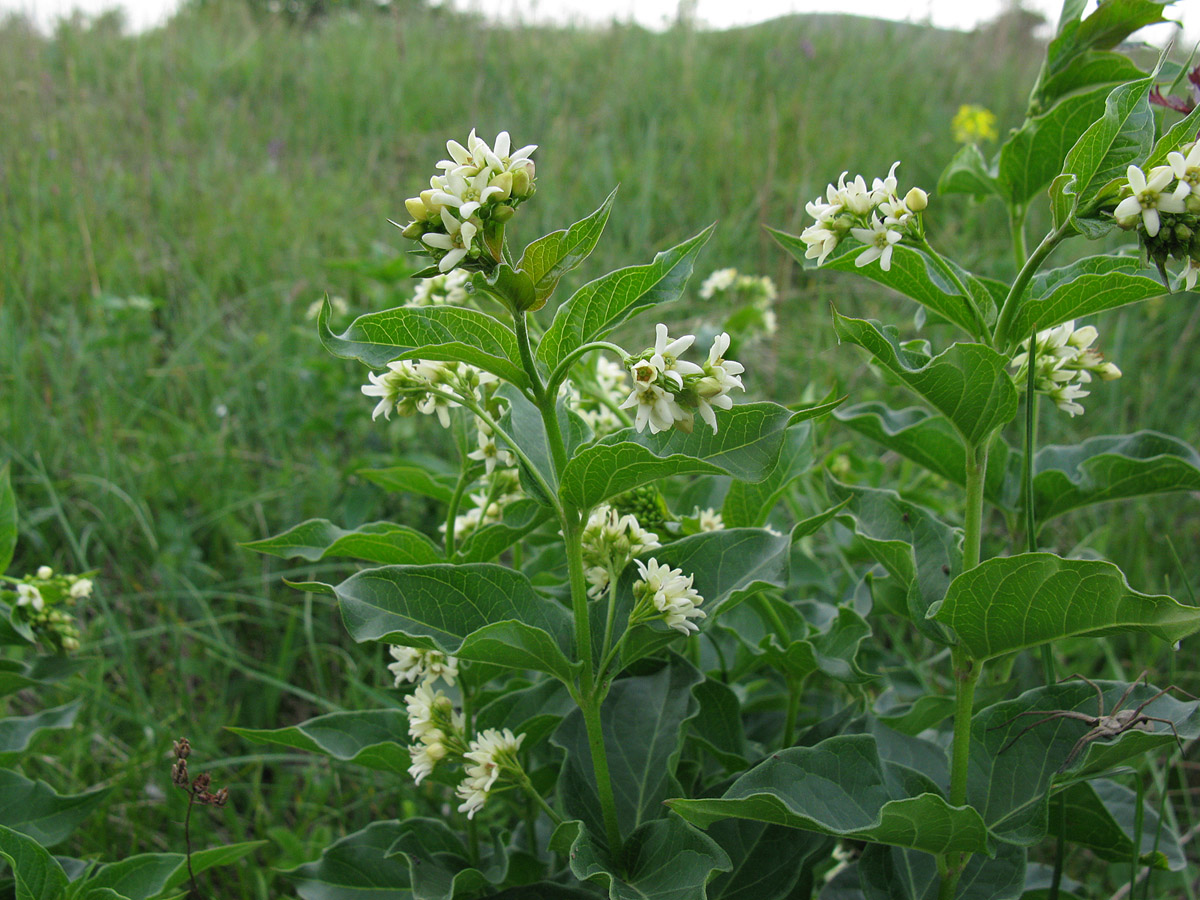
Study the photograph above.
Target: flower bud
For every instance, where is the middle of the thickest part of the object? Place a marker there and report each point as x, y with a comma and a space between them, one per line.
413, 230
502, 214
522, 182
45, 572
916, 199
503, 181
416, 209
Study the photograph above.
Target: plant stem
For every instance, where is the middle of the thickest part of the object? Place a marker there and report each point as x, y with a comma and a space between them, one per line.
532, 792
187, 839
573, 536
945, 268
1012, 301
452, 510
1060, 848
1027, 473
1016, 226
531, 369
608, 803
560, 371
793, 708
977, 457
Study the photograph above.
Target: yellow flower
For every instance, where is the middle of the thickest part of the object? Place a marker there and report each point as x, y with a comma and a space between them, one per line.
973, 124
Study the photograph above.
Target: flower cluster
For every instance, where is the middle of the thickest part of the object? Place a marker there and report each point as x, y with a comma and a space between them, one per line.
424, 386
750, 295
449, 289
459, 218
876, 217
610, 541
1164, 207
1064, 361
412, 664
709, 520
40, 599
491, 754
665, 593
666, 389
436, 727
972, 124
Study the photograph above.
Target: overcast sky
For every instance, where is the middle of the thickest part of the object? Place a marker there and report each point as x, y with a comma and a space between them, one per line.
657, 13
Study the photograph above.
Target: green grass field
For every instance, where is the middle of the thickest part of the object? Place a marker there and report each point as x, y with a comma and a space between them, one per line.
170, 206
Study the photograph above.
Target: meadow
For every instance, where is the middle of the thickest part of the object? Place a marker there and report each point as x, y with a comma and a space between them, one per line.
173, 203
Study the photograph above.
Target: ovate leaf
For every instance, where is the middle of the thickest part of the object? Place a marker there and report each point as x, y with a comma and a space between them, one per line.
1012, 603
601, 305
1101, 815
750, 503
895, 873
414, 479
747, 447
1088, 286
967, 173
18, 732
449, 333
520, 517
1113, 142
663, 860
966, 383
438, 863
480, 612
1111, 467
770, 862
374, 738
35, 809
841, 788
37, 874
643, 719
356, 868
148, 875
377, 542
548, 258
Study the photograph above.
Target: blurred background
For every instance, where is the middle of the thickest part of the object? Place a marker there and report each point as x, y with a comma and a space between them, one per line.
180, 184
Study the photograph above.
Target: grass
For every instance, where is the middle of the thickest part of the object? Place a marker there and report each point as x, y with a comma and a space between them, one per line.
172, 204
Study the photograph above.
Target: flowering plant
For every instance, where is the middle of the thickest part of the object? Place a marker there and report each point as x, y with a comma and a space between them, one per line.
607, 658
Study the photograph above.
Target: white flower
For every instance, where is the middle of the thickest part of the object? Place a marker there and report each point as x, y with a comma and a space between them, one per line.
879, 239
81, 589
720, 377
489, 754
1064, 398
1191, 273
456, 241
710, 520
718, 281
610, 540
428, 710
884, 189
427, 665
488, 453
1064, 361
503, 159
1187, 168
666, 355
670, 593
425, 757
468, 193
28, 595
1148, 198
820, 240
854, 197
45, 572
655, 407
442, 290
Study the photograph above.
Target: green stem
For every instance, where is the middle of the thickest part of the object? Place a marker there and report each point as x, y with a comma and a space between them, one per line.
452, 511
531, 369
793, 709
608, 803
945, 268
573, 537
1012, 300
560, 371
532, 792
977, 457
1060, 848
609, 618
1016, 226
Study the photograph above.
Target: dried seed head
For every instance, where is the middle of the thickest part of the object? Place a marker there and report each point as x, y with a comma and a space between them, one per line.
183, 748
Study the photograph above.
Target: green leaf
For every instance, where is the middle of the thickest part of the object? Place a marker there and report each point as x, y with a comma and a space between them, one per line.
1088, 286
718, 726
911, 274
369, 738
149, 875
1182, 132
548, 258
1091, 68
524, 422
1031, 157
38, 875
842, 788
535, 710
919, 550
16, 675
832, 649
770, 862
750, 503
967, 383
33, 808
643, 719
377, 542
449, 333
480, 612
930, 440
967, 173
747, 447
894, 873
414, 479
1113, 142
1101, 816
1011, 788
601, 305
8, 518
520, 517
18, 732
912, 718
1111, 467
663, 860
1012, 603
356, 868
438, 863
